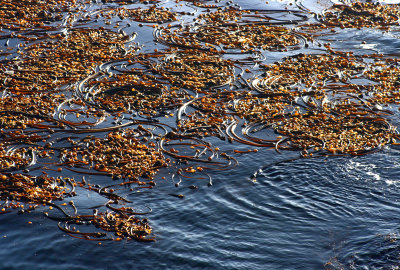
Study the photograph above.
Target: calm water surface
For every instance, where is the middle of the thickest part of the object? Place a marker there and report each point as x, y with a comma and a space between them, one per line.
337, 212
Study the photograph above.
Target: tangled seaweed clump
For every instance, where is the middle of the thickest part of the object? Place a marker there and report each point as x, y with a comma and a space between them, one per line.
49, 65
336, 134
14, 15
196, 70
243, 37
385, 74
248, 37
17, 189
222, 16
15, 158
123, 225
149, 15
122, 93
254, 108
210, 118
127, 2
308, 70
115, 226
120, 154
22, 111
362, 14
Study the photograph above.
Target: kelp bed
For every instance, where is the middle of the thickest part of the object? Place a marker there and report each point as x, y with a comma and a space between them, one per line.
79, 97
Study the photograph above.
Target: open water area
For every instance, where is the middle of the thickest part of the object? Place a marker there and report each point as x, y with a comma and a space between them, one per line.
266, 209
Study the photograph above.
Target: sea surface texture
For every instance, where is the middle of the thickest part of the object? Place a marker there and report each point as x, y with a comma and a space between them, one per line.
274, 198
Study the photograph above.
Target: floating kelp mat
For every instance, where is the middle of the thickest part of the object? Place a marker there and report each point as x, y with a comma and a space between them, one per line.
81, 99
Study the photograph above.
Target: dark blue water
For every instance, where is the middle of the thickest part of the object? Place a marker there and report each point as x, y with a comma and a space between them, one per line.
298, 215
315, 213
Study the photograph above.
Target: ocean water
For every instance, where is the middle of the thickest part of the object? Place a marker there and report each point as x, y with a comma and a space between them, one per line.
336, 212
